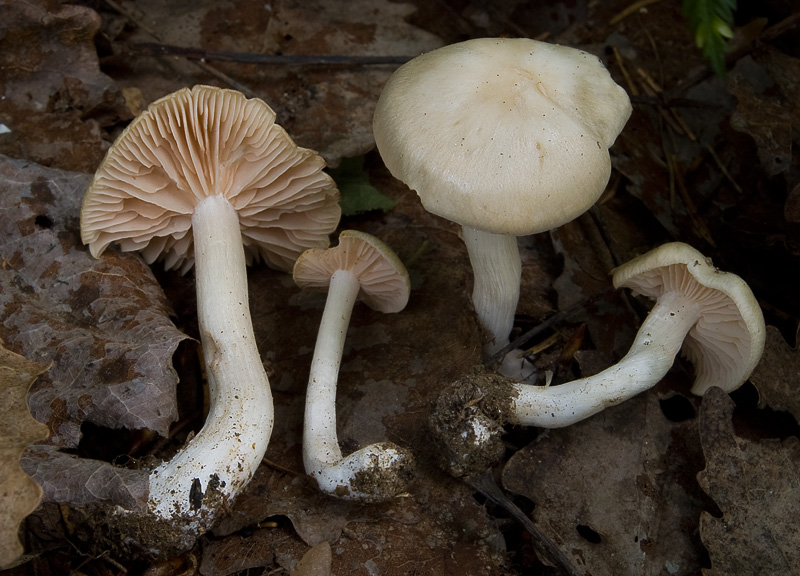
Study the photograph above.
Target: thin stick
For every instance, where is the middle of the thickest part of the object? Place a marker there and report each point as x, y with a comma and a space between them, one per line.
198, 54
722, 167
485, 484
632, 9
538, 329
208, 68
632, 88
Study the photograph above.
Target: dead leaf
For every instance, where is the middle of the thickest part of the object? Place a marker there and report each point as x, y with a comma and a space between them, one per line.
104, 324
237, 553
343, 95
763, 117
19, 493
67, 478
611, 490
777, 376
315, 562
55, 100
757, 487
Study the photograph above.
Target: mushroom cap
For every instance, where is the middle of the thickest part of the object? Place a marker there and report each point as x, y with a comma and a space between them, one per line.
505, 135
384, 281
206, 141
726, 343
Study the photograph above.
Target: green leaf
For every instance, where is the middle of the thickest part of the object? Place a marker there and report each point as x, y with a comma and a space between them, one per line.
358, 195
711, 22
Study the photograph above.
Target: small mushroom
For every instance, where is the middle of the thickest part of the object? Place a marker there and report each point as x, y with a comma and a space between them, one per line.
360, 266
205, 177
506, 137
712, 314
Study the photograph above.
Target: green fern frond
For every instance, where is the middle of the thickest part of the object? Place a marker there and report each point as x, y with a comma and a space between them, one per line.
711, 22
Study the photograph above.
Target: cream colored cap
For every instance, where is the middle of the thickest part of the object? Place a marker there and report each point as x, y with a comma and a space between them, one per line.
384, 281
200, 142
505, 135
727, 342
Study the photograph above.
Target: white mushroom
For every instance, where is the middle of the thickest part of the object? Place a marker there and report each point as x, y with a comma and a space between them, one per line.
360, 266
506, 137
712, 314
197, 175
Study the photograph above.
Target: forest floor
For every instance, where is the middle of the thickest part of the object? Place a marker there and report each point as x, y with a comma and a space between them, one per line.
665, 483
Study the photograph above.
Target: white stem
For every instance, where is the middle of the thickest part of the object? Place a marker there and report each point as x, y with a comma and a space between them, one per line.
320, 441
223, 456
649, 359
497, 271
371, 473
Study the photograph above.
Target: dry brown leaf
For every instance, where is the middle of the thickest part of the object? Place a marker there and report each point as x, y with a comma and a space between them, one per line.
757, 487
777, 376
762, 115
55, 100
19, 494
611, 490
315, 562
236, 553
324, 107
104, 324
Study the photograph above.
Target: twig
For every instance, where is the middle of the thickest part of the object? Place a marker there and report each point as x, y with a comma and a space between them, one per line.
198, 54
654, 86
632, 9
218, 74
279, 468
722, 167
699, 225
485, 484
541, 327
632, 88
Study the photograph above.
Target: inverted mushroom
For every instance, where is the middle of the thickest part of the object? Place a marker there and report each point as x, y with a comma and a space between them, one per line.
360, 266
506, 137
205, 177
712, 314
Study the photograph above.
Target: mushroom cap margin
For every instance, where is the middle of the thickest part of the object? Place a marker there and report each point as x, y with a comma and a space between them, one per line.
384, 281
726, 344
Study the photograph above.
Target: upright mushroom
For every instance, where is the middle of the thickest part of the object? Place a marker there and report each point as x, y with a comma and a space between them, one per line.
506, 137
712, 314
205, 177
360, 266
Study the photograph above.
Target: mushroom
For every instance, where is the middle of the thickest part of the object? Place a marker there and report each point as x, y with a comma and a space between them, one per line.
712, 314
205, 177
506, 137
360, 266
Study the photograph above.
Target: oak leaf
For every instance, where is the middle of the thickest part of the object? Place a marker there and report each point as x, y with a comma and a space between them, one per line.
19, 494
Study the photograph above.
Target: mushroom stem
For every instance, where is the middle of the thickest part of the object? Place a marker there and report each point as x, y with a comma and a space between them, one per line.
223, 456
649, 359
497, 270
320, 441
373, 472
